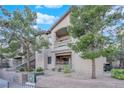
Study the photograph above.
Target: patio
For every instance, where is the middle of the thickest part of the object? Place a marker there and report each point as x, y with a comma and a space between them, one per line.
56, 80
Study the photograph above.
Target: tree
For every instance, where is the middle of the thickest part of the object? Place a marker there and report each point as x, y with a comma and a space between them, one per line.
87, 26
18, 26
120, 43
117, 23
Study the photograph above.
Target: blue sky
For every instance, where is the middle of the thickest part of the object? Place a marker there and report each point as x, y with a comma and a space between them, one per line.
47, 14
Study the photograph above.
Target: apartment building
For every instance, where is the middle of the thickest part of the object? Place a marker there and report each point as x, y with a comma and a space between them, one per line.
60, 54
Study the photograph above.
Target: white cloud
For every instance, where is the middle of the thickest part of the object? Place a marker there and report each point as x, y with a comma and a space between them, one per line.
38, 6
48, 6
53, 6
35, 27
45, 18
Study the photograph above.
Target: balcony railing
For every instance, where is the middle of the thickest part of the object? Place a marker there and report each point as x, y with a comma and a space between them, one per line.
62, 43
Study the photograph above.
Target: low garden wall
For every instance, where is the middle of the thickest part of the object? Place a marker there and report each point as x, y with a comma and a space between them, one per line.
18, 77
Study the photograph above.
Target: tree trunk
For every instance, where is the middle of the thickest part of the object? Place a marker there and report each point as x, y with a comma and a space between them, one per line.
28, 59
1, 62
93, 69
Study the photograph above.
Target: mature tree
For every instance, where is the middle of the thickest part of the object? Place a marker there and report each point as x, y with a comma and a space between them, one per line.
87, 28
18, 26
117, 24
120, 44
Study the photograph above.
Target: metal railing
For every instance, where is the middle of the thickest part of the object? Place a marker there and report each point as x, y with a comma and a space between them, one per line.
62, 43
4, 83
10, 84
24, 85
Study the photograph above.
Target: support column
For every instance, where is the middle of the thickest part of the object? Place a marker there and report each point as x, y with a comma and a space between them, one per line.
70, 64
41, 59
44, 58
53, 60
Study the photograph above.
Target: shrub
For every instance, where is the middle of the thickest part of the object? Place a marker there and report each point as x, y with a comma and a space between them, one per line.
22, 69
59, 69
118, 73
39, 69
31, 69
67, 69
53, 69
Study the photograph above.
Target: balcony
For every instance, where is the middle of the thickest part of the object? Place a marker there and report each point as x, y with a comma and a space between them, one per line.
62, 38
62, 43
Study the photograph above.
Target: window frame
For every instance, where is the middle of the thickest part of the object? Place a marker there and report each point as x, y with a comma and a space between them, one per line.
49, 60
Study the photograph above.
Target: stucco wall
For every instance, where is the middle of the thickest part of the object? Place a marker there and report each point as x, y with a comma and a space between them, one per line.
13, 76
41, 59
38, 57
64, 23
85, 66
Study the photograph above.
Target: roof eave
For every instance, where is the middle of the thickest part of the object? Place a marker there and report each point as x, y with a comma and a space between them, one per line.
59, 20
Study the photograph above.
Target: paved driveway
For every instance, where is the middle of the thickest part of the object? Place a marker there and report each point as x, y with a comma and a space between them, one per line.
54, 81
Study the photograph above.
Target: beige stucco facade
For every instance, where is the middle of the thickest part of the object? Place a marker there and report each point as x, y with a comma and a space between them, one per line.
59, 50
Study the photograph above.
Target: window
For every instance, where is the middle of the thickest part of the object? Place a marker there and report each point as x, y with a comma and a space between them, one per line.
49, 60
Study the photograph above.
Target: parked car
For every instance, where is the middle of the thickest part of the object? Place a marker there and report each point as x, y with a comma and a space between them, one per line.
107, 67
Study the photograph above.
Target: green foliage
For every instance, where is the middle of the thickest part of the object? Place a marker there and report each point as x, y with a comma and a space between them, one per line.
120, 47
86, 19
39, 69
18, 31
22, 69
31, 69
109, 51
41, 42
53, 69
13, 46
118, 73
67, 69
86, 27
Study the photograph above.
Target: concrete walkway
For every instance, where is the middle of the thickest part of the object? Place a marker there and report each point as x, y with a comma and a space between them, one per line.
54, 81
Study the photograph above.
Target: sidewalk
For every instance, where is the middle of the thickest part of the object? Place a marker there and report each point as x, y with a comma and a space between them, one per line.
59, 81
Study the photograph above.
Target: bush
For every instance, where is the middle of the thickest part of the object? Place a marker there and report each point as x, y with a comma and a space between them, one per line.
22, 69
53, 69
31, 69
67, 69
118, 73
59, 69
39, 69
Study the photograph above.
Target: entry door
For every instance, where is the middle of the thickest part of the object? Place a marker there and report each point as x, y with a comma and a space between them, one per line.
66, 60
